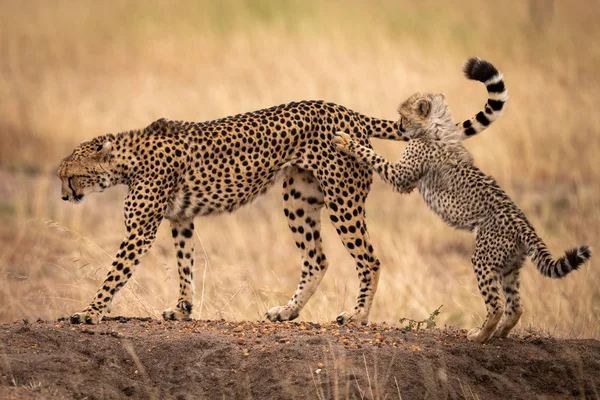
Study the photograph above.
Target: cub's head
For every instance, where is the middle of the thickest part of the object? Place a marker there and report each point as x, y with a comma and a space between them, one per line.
425, 115
86, 170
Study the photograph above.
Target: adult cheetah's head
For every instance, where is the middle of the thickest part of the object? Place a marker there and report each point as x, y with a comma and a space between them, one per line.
86, 170
425, 115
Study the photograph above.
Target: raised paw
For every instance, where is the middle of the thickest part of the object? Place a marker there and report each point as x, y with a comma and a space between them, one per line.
477, 335
352, 316
282, 313
341, 141
86, 317
180, 313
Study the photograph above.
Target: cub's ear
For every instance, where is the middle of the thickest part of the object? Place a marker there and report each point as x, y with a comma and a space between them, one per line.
424, 107
103, 151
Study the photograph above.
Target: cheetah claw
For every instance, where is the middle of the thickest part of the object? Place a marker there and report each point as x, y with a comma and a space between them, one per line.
181, 313
352, 316
341, 140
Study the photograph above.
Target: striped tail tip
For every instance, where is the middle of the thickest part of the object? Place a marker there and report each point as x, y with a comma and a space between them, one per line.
571, 261
479, 70
578, 256
483, 71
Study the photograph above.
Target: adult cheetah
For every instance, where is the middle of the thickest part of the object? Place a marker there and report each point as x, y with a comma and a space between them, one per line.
436, 162
179, 170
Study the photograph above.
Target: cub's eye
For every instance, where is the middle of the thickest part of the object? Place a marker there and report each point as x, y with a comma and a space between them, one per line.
99, 147
402, 124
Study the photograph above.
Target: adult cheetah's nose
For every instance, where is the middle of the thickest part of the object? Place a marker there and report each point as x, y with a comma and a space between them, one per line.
65, 198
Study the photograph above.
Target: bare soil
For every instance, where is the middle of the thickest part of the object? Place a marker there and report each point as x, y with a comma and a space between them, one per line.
144, 358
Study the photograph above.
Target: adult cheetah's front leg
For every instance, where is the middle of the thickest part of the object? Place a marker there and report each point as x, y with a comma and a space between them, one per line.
142, 218
183, 235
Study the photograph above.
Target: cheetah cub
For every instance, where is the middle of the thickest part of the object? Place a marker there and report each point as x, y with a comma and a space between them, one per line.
436, 162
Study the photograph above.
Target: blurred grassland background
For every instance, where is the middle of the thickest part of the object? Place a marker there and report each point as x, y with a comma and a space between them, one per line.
70, 71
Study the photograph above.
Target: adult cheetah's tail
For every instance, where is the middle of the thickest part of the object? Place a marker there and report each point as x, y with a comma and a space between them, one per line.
382, 129
483, 71
550, 266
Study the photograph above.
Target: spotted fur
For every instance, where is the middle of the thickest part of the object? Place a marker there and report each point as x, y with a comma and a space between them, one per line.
438, 164
179, 170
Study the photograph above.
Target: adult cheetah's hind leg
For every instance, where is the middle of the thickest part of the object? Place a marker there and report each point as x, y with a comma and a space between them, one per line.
346, 186
352, 229
303, 202
513, 309
183, 235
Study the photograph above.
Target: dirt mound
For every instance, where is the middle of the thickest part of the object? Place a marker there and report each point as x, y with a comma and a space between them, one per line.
143, 358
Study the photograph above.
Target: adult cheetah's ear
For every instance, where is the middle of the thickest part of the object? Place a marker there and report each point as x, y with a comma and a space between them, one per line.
103, 151
424, 107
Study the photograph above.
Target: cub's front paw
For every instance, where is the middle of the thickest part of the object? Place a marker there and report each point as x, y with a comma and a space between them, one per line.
341, 139
91, 317
344, 144
408, 190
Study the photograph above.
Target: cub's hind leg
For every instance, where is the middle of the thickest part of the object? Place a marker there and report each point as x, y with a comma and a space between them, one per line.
183, 236
302, 205
487, 263
512, 309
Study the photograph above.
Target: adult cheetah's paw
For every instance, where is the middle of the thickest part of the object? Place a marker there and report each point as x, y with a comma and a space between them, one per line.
282, 313
88, 317
352, 316
477, 335
181, 313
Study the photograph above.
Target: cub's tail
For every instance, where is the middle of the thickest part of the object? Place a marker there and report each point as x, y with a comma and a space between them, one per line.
483, 71
550, 266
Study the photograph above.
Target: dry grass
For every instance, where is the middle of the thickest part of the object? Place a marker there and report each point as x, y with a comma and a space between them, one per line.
73, 70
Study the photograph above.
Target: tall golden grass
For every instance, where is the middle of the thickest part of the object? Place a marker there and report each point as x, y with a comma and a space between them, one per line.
70, 71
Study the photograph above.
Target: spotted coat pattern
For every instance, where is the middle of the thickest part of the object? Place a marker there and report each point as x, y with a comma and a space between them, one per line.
179, 170
439, 166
